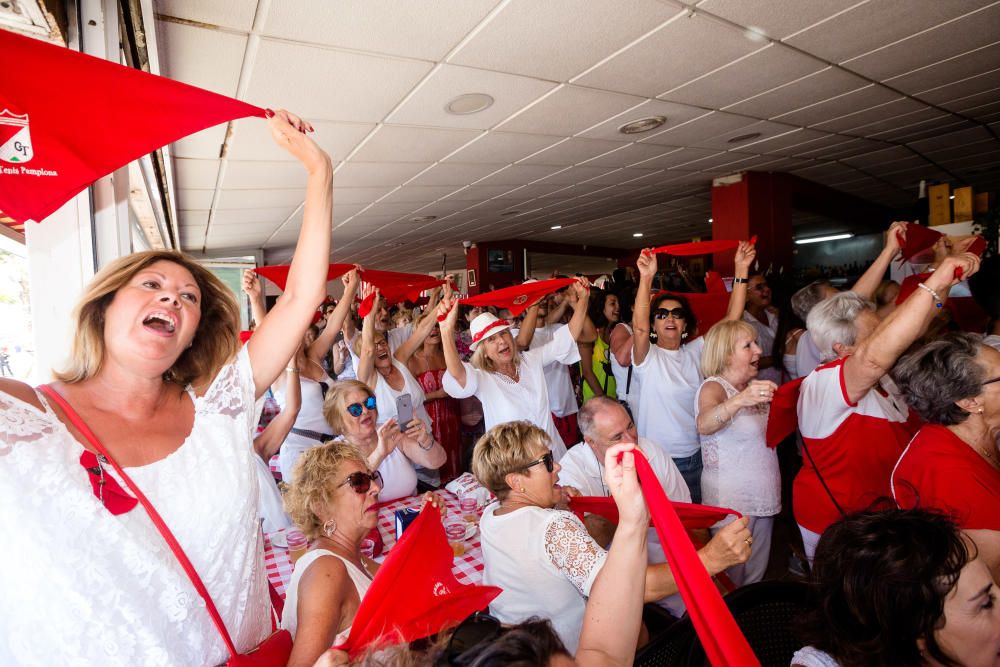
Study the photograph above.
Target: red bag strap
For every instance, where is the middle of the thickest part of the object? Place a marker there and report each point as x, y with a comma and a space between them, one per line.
182, 558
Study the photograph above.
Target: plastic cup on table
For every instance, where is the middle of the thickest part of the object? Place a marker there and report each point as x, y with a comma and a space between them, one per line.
368, 548
297, 544
468, 505
455, 530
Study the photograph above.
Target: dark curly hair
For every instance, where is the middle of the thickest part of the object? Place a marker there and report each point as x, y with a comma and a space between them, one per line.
941, 372
529, 644
879, 581
690, 321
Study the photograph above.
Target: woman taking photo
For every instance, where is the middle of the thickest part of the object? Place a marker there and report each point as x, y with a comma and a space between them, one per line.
740, 470
670, 370
351, 409
157, 374
510, 384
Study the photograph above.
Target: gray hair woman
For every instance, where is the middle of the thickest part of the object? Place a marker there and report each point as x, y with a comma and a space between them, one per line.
853, 421
952, 464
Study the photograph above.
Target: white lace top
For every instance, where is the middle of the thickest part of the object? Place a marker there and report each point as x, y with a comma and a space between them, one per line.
740, 470
545, 562
82, 586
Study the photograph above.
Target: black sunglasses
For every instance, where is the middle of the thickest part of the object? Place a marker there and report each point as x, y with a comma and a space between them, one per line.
356, 409
473, 631
547, 460
362, 481
676, 313
996, 379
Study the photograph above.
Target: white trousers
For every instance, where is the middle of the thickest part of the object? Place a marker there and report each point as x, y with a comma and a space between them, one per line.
809, 542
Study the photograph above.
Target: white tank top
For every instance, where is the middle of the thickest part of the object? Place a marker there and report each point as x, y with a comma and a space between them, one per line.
289, 617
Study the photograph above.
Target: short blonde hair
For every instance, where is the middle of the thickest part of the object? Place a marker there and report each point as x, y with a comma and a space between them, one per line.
335, 403
316, 478
720, 343
215, 342
484, 363
506, 448
359, 341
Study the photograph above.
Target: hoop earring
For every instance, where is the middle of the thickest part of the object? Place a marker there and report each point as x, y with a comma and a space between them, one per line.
329, 528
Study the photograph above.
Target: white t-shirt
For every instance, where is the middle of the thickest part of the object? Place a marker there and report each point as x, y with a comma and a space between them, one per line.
992, 340
545, 562
562, 398
670, 379
626, 392
807, 356
290, 615
505, 400
82, 586
310, 418
813, 657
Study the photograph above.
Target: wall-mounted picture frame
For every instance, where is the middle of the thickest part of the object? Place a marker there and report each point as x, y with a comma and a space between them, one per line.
472, 278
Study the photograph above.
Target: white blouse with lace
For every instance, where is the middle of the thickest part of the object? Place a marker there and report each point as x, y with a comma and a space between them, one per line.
545, 562
740, 470
82, 586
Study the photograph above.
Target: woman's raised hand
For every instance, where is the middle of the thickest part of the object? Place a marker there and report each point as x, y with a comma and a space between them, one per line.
623, 482
757, 392
447, 315
745, 254
953, 270
350, 280
251, 284
895, 237
417, 430
581, 291
388, 438
646, 264
289, 132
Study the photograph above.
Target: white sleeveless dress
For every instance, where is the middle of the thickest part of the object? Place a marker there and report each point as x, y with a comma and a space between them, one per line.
290, 616
82, 586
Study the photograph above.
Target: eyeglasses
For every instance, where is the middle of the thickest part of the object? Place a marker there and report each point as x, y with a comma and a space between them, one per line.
664, 313
356, 409
473, 631
547, 460
362, 481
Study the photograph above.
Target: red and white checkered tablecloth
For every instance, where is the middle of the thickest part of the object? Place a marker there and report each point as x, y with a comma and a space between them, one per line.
468, 568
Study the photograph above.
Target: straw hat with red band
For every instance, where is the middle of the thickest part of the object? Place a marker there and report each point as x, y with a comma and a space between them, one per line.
484, 326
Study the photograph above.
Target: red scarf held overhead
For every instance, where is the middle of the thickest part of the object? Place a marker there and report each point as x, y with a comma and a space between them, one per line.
699, 247
395, 287
721, 638
67, 119
518, 298
415, 594
278, 274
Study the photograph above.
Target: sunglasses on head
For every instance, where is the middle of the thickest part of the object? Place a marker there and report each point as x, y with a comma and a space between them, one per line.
996, 379
663, 313
362, 481
473, 631
357, 409
546, 459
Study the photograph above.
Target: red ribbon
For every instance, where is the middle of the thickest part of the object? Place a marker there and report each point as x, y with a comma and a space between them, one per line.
699, 247
489, 327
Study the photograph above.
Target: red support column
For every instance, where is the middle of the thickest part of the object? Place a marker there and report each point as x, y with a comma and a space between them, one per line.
754, 203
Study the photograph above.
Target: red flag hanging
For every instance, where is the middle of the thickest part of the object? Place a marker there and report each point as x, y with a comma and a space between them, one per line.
278, 274
699, 248
415, 594
517, 298
721, 638
692, 516
783, 417
67, 118
918, 239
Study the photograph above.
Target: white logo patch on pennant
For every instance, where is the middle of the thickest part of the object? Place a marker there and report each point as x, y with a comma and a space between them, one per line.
15, 139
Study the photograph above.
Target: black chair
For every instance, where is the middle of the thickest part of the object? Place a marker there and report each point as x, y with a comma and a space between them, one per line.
764, 612
670, 639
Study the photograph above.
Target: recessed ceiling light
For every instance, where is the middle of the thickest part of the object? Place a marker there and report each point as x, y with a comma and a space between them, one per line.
469, 103
642, 125
424, 218
743, 137
556, 227
755, 34
506, 213
637, 234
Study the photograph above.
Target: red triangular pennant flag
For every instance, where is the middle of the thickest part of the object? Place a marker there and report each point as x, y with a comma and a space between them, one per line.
278, 274
69, 119
918, 239
783, 417
395, 287
699, 248
415, 594
708, 308
518, 298
721, 638
692, 516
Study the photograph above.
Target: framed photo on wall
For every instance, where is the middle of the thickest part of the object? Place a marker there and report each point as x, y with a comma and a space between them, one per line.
472, 278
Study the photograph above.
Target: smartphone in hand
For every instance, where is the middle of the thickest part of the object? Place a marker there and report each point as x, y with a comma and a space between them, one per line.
404, 411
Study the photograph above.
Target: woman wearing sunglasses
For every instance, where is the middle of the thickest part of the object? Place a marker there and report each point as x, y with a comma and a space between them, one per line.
953, 464
351, 409
539, 554
670, 368
333, 501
